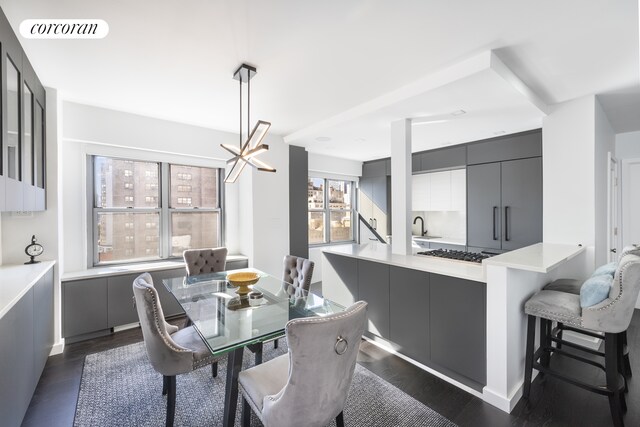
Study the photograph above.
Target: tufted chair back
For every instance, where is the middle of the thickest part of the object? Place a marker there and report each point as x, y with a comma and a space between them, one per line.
613, 315
322, 358
297, 273
167, 357
203, 261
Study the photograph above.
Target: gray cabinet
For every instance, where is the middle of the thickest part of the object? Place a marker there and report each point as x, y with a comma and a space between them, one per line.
504, 204
84, 306
373, 287
381, 167
437, 320
443, 158
484, 206
521, 203
16, 361
120, 307
343, 279
43, 336
26, 334
93, 306
22, 185
375, 202
409, 320
457, 310
508, 147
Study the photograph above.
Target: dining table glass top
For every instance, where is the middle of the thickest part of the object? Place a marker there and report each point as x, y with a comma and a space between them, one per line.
226, 321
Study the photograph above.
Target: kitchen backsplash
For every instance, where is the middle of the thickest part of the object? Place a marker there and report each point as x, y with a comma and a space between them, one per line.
449, 224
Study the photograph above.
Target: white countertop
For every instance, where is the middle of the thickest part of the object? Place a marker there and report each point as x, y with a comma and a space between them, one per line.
444, 240
16, 280
541, 257
117, 270
382, 253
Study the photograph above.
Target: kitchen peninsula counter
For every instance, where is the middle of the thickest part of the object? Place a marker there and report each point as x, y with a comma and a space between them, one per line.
382, 253
463, 322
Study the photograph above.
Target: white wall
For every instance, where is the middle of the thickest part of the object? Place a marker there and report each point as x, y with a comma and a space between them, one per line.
270, 207
568, 149
605, 139
327, 166
628, 145
88, 130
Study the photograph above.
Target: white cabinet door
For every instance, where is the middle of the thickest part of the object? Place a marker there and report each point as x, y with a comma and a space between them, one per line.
420, 193
459, 190
440, 191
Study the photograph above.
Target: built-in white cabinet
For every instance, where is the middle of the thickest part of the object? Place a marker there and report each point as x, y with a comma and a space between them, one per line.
439, 191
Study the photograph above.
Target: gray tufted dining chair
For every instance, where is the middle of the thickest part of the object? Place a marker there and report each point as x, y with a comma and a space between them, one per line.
309, 385
203, 261
171, 351
297, 274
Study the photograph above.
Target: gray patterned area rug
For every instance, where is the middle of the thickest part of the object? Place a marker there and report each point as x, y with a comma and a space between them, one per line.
120, 388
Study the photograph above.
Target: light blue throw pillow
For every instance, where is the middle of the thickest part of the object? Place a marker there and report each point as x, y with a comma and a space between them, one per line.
595, 290
609, 269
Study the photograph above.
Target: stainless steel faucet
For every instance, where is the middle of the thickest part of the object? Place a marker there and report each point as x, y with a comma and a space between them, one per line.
422, 230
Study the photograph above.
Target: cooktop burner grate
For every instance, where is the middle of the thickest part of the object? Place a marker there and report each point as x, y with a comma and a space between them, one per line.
457, 255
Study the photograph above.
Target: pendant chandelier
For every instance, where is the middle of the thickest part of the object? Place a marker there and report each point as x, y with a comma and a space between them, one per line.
247, 150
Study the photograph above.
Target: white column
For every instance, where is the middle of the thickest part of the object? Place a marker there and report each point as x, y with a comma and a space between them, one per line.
401, 187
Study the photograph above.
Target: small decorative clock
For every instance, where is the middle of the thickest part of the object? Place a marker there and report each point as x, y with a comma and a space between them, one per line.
33, 250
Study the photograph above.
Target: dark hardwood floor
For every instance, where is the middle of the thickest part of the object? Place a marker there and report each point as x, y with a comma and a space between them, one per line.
552, 402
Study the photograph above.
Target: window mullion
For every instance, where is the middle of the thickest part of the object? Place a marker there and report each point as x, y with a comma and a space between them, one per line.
165, 218
327, 213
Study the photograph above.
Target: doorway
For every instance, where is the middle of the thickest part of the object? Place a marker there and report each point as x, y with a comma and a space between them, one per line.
630, 199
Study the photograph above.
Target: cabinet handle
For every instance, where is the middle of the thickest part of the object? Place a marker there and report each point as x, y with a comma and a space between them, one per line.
371, 222
375, 223
506, 222
495, 211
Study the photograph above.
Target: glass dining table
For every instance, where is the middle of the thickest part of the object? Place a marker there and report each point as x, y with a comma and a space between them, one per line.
228, 323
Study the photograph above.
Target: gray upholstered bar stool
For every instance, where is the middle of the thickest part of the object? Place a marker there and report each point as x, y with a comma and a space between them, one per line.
573, 286
611, 317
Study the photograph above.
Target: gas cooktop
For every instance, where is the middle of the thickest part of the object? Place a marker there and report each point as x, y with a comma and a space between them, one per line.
457, 255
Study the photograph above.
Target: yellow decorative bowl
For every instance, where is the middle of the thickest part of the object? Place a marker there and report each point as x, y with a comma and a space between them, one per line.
242, 280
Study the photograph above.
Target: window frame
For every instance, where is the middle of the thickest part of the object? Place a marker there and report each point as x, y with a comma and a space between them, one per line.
327, 212
163, 210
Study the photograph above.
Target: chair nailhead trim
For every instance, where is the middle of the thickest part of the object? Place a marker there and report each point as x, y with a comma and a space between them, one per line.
155, 315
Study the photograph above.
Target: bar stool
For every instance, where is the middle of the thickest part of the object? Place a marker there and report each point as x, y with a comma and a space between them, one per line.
611, 317
573, 286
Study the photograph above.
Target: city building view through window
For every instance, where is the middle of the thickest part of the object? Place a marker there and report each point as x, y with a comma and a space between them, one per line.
129, 210
330, 204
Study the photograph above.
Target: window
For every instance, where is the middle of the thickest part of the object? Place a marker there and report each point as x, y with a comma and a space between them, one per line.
330, 204
150, 226
194, 209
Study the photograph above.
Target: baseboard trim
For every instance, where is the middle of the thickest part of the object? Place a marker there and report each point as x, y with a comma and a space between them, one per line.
57, 348
125, 327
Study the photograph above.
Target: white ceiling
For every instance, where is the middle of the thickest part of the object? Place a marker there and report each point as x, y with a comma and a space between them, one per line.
174, 59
